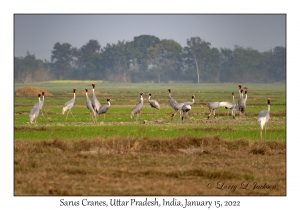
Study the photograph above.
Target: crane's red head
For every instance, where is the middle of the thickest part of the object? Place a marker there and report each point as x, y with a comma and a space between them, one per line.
232, 93
74, 90
86, 90
268, 101
39, 95
193, 96
43, 93
169, 90
108, 99
141, 94
246, 92
241, 90
240, 86
93, 85
150, 94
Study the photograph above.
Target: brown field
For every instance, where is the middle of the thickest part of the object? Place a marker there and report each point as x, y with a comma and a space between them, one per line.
143, 166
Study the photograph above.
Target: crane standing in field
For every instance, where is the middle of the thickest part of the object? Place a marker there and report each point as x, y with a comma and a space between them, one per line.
153, 103
213, 106
232, 106
263, 118
104, 108
178, 106
42, 104
34, 112
95, 103
138, 107
242, 101
89, 106
185, 110
173, 102
69, 105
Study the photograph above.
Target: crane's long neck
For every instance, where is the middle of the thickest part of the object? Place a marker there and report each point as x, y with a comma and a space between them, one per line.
108, 103
43, 98
74, 95
233, 99
93, 92
149, 98
142, 100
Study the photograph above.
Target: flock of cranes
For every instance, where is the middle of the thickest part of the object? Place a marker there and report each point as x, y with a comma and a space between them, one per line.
95, 108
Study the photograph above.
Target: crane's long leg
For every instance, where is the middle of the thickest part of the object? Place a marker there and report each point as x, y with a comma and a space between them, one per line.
67, 115
42, 113
260, 134
265, 131
72, 114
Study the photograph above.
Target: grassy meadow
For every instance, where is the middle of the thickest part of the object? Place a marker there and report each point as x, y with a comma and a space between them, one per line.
152, 155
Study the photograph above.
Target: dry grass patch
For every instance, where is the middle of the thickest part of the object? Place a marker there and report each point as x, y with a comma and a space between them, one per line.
31, 91
144, 166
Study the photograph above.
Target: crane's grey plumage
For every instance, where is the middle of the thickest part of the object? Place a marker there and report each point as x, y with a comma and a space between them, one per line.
185, 110
173, 102
190, 102
95, 103
178, 106
89, 105
242, 101
232, 106
34, 112
153, 103
138, 107
263, 118
213, 106
69, 105
39, 103
104, 108
42, 104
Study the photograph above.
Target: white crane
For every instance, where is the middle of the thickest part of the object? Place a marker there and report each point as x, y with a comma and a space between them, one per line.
69, 105
104, 108
95, 103
153, 103
138, 107
34, 112
89, 106
185, 110
263, 118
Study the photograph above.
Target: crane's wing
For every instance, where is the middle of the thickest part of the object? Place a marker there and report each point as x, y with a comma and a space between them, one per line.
226, 104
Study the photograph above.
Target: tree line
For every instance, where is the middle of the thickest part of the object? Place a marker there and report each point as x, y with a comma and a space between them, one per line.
149, 59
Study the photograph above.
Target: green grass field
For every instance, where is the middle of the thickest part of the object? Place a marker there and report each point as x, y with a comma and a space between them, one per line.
154, 155
152, 123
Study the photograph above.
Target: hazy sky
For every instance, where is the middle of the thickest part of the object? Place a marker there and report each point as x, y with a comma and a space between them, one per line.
39, 33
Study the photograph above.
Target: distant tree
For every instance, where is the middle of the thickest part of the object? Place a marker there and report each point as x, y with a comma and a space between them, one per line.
165, 57
278, 64
141, 45
87, 59
197, 51
29, 69
62, 59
